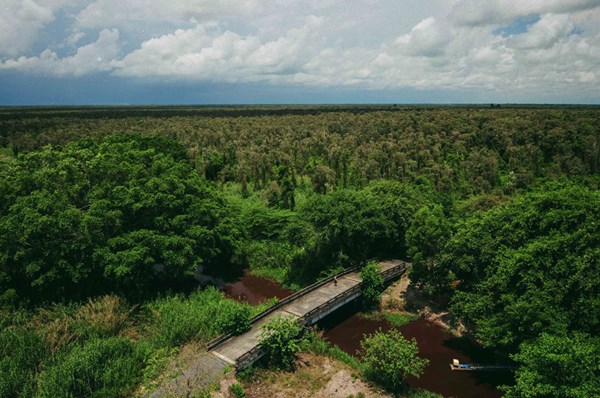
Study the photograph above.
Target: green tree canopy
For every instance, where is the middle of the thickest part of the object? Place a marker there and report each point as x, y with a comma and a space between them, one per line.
530, 266
372, 285
389, 358
124, 213
558, 367
425, 238
353, 225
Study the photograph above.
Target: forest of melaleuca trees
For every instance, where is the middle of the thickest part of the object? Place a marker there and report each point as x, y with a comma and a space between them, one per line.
496, 207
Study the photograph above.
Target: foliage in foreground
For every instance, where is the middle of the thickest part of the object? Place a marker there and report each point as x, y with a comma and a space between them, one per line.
558, 367
282, 339
529, 266
203, 314
133, 206
105, 347
21, 352
372, 285
102, 367
388, 358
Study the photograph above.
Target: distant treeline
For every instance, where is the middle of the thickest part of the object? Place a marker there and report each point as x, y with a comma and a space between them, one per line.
458, 149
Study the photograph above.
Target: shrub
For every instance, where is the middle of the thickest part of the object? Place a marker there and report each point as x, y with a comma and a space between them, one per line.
372, 285
281, 339
105, 316
240, 320
21, 352
102, 317
201, 315
111, 367
389, 358
238, 391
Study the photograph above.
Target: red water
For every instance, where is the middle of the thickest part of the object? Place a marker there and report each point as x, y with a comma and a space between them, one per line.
254, 289
434, 344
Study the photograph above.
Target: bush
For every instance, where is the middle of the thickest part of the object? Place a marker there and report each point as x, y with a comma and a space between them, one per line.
202, 315
240, 321
237, 390
21, 353
111, 368
372, 285
102, 317
281, 339
389, 358
557, 366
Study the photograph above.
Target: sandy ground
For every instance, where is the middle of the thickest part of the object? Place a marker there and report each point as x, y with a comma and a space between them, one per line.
316, 377
401, 297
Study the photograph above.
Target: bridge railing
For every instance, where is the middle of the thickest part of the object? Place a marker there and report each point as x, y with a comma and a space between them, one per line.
332, 302
224, 337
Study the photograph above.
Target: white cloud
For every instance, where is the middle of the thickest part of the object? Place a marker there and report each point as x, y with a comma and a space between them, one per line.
20, 22
544, 33
385, 44
492, 12
75, 38
210, 54
120, 13
427, 38
95, 57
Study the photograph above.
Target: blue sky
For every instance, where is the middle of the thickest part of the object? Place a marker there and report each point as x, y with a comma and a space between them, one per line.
55, 52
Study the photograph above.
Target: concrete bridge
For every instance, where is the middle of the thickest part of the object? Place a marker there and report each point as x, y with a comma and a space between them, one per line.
308, 306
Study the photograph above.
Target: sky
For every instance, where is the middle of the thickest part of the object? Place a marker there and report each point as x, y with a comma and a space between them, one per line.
89, 52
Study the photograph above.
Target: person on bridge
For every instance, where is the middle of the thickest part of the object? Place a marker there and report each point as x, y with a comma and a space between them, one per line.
334, 280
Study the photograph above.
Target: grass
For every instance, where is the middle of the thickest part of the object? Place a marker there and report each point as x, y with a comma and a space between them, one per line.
398, 320
316, 344
107, 347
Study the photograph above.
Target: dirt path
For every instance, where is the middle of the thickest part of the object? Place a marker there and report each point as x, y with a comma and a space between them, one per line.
203, 374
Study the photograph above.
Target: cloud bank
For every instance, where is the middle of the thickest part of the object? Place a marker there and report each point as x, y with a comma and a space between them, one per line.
546, 47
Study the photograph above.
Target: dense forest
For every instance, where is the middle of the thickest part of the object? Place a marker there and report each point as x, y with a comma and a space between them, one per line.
106, 215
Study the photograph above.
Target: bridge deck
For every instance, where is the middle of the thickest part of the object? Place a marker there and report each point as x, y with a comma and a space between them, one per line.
237, 346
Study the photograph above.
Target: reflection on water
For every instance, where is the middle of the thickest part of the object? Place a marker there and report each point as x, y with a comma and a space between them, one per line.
345, 329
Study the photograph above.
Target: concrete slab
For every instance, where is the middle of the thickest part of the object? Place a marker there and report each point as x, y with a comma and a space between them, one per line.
320, 296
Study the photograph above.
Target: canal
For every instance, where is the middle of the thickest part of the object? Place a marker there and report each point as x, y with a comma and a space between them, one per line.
346, 328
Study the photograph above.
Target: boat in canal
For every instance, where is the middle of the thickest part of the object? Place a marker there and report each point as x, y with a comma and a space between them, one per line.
473, 367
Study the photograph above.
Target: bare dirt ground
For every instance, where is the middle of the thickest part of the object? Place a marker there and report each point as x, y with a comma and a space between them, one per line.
401, 297
316, 377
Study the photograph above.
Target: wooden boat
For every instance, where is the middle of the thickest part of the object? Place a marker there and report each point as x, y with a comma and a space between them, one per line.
473, 367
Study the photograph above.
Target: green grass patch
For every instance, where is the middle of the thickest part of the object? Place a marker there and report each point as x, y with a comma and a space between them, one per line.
400, 319
202, 315
102, 367
316, 344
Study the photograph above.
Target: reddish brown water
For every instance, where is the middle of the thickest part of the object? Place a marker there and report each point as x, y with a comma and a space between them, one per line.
254, 289
434, 344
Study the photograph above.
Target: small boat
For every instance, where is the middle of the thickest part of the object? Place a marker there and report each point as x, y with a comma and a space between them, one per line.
456, 365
